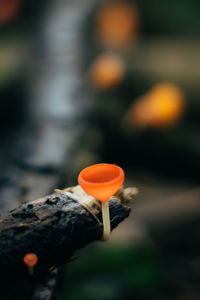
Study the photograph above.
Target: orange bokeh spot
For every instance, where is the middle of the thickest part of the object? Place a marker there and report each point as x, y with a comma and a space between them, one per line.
101, 180
9, 9
161, 107
30, 259
107, 71
117, 23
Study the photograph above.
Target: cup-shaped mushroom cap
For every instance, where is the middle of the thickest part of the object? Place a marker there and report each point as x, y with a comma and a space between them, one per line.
101, 180
30, 259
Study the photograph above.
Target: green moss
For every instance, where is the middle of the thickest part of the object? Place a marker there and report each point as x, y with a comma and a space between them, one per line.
110, 271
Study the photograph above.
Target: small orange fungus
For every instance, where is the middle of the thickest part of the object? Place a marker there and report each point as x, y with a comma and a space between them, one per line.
107, 71
30, 259
161, 107
102, 181
9, 9
117, 23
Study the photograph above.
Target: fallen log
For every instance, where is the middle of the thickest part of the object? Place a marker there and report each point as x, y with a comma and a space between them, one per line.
53, 227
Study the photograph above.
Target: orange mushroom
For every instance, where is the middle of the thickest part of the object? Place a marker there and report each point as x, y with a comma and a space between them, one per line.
107, 71
117, 23
9, 9
30, 261
161, 107
102, 181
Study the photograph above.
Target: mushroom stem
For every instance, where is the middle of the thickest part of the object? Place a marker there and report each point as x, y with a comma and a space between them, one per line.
30, 270
106, 221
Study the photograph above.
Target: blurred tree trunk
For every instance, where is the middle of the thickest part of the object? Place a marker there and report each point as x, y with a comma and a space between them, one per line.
39, 155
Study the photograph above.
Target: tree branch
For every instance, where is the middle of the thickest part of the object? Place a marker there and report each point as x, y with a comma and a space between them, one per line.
53, 227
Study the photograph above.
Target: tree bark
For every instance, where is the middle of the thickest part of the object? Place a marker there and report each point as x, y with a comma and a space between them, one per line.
52, 227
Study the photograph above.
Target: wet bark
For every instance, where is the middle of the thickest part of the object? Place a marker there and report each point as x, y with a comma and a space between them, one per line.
52, 227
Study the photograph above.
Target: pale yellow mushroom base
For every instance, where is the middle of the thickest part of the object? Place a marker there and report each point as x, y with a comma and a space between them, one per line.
106, 221
95, 207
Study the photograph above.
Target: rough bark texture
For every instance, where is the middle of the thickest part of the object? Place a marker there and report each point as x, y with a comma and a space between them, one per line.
52, 227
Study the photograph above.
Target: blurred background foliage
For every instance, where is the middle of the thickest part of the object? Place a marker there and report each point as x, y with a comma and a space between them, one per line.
162, 48
140, 67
